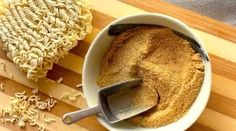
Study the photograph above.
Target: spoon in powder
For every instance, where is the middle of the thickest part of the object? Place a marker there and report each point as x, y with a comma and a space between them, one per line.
115, 103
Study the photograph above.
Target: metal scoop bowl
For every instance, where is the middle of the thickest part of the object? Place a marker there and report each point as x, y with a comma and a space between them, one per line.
114, 103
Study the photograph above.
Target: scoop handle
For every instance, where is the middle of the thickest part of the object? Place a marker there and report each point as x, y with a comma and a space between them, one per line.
75, 116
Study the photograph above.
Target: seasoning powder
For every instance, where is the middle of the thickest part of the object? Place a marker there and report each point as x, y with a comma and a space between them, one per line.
172, 72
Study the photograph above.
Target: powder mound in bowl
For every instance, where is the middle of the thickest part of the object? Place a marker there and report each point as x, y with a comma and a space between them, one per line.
168, 64
37, 33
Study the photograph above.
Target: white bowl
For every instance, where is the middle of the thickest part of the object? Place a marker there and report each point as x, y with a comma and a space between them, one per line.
100, 45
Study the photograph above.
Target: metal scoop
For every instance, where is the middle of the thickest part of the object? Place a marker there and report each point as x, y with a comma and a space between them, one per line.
114, 103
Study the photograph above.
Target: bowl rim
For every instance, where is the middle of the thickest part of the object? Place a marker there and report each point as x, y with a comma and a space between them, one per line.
207, 72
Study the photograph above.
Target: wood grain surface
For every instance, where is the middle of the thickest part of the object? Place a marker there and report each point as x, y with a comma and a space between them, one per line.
219, 39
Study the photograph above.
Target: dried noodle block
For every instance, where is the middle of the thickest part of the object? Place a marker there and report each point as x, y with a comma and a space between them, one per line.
37, 33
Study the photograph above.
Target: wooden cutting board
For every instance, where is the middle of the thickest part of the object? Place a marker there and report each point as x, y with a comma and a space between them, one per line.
219, 39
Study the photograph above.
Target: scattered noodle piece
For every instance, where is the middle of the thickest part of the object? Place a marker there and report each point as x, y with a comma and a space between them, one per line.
41, 105
2, 87
47, 119
79, 85
21, 123
60, 80
79, 94
72, 96
35, 91
40, 126
65, 95
11, 75
50, 95
50, 103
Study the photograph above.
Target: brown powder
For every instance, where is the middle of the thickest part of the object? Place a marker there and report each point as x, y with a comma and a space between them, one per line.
172, 72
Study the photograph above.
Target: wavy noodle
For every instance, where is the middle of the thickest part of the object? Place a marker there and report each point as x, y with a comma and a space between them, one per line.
34, 8
8, 26
24, 18
17, 17
14, 24
31, 14
42, 5
50, 3
3, 33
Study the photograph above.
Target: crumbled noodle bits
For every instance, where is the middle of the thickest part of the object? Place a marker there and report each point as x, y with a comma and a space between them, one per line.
23, 109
